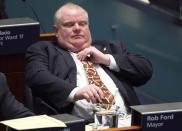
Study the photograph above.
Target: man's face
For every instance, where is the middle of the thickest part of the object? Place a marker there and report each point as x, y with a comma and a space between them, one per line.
73, 32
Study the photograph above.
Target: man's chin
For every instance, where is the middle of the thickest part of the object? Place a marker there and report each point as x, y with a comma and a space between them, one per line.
78, 41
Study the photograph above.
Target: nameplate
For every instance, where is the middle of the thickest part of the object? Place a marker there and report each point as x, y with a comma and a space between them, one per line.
158, 117
17, 34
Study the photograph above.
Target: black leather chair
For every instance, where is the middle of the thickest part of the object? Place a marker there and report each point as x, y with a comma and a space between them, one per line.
36, 104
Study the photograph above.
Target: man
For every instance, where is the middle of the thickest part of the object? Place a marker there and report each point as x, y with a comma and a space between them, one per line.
10, 108
55, 71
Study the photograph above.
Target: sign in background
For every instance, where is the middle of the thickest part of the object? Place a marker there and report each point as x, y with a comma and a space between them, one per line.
17, 35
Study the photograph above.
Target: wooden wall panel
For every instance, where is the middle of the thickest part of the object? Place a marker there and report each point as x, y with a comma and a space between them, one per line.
13, 66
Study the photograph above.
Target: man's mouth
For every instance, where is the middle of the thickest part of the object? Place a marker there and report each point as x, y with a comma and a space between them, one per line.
77, 36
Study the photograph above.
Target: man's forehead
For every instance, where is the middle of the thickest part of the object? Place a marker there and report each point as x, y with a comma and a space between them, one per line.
74, 17
71, 12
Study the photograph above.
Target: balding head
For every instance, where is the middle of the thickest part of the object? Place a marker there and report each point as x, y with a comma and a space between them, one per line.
64, 9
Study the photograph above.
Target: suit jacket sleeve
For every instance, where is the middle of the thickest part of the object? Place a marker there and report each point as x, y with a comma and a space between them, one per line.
9, 107
134, 69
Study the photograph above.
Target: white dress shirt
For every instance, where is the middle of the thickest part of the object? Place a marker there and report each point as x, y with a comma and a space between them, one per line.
83, 108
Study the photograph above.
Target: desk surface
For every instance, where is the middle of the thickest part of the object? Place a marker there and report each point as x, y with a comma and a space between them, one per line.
131, 128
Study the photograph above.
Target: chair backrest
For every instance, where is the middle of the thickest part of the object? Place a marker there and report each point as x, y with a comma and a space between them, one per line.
36, 104
28, 98
48, 37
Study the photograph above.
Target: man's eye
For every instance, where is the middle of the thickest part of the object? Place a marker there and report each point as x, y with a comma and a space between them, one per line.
83, 23
69, 24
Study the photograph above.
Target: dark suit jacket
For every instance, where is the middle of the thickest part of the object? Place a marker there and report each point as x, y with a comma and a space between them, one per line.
9, 107
51, 71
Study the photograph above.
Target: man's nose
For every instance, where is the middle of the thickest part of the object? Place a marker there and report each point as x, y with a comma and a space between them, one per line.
76, 26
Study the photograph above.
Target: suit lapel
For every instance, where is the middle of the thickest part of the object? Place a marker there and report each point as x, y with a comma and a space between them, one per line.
101, 47
70, 64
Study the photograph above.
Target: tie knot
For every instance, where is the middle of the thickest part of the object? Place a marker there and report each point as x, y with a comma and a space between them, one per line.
87, 64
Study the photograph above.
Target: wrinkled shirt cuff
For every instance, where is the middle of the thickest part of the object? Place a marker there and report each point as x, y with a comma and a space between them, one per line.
113, 65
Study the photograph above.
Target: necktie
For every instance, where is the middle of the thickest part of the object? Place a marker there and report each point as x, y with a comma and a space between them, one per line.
94, 78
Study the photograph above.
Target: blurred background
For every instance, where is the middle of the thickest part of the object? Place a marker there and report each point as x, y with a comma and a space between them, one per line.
152, 28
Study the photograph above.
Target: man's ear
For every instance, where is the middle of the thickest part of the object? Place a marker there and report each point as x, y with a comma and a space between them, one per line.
55, 30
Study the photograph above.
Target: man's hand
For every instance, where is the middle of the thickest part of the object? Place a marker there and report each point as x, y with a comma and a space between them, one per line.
94, 55
90, 93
